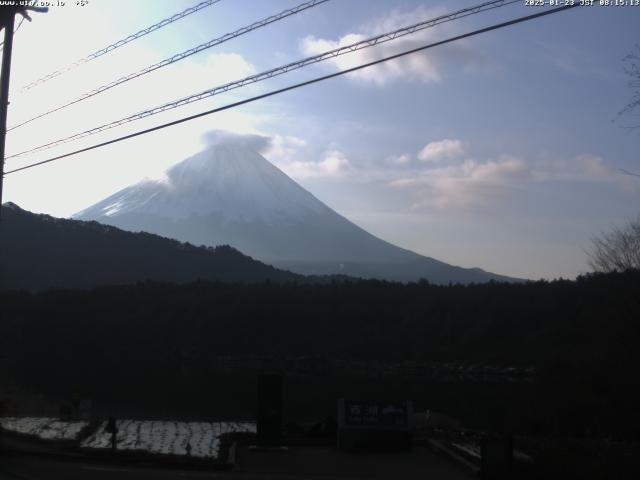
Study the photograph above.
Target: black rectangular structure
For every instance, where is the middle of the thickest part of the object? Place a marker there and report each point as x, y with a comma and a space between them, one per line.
269, 414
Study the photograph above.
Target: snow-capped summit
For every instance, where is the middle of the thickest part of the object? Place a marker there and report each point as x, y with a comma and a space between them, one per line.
230, 194
234, 182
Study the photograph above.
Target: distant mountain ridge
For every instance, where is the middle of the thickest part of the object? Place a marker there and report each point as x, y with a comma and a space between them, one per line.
230, 194
38, 252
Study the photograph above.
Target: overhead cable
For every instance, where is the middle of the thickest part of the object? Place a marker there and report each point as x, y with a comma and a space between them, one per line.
179, 56
301, 84
367, 43
120, 43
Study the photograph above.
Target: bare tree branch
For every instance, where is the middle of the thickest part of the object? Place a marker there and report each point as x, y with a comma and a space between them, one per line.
632, 69
627, 172
617, 250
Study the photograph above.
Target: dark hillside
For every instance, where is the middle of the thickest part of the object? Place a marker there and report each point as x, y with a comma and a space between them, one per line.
38, 252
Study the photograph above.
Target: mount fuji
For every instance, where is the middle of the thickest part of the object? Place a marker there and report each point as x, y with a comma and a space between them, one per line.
230, 194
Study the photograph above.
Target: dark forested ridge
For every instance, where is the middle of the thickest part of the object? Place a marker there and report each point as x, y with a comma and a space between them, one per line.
39, 252
581, 337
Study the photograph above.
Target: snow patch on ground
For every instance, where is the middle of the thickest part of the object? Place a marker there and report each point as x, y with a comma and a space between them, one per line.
472, 450
195, 439
43, 427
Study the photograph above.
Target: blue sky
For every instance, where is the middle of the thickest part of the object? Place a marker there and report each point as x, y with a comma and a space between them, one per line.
499, 151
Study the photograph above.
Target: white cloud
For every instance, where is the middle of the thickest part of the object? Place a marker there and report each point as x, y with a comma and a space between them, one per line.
593, 166
284, 149
402, 159
467, 183
249, 140
424, 66
464, 182
584, 168
441, 150
225, 67
287, 152
333, 164
500, 170
418, 67
169, 83
292, 155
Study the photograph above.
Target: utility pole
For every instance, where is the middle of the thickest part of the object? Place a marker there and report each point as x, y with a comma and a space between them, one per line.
7, 21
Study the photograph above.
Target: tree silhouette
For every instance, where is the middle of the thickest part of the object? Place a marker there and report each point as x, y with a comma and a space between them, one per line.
617, 250
632, 70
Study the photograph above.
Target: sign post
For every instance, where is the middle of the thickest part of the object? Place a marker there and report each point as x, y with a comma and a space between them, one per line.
269, 415
381, 424
112, 428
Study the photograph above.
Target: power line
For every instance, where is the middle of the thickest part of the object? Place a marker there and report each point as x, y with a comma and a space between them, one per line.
180, 56
370, 42
301, 84
120, 43
19, 25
